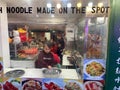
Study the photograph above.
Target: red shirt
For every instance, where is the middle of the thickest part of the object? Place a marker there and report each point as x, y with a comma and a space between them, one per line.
46, 59
54, 49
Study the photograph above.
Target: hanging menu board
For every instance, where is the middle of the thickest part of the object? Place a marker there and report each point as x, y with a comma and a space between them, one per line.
113, 56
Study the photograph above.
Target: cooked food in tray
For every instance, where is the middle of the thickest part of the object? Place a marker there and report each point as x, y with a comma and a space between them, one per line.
51, 73
32, 85
93, 85
95, 69
52, 86
9, 86
14, 73
72, 86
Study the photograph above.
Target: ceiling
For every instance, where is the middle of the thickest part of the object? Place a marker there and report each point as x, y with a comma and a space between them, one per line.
37, 21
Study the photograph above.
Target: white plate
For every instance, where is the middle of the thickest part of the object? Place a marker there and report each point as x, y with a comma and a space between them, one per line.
95, 77
32, 83
77, 82
98, 85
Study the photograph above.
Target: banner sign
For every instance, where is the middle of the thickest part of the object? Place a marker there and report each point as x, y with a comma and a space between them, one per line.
113, 55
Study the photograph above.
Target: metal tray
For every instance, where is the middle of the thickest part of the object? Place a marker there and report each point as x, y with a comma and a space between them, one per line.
14, 73
51, 73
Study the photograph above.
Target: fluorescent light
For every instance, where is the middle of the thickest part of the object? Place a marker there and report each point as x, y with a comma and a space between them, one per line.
90, 4
58, 6
100, 4
52, 15
69, 5
49, 5
79, 5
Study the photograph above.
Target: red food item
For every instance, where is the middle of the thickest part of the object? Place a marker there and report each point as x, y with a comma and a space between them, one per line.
92, 85
22, 34
32, 85
0, 87
1, 67
47, 85
5, 87
9, 86
23, 38
87, 87
52, 86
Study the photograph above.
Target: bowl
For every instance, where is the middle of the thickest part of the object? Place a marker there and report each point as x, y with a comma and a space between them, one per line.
51, 73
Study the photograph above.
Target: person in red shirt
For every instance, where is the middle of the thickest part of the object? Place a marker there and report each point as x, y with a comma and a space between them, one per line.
54, 47
46, 58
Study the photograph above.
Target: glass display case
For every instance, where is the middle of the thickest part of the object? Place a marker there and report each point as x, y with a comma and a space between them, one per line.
96, 38
87, 47
83, 54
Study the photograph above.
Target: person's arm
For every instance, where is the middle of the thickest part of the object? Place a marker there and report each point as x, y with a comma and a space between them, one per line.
57, 60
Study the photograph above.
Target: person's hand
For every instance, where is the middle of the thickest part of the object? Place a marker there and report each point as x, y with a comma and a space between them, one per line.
49, 67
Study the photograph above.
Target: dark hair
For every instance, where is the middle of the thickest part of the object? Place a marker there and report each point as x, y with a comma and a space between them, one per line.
48, 43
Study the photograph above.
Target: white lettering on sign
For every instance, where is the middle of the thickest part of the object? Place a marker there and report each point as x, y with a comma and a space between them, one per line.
119, 40
119, 49
118, 61
117, 80
117, 70
116, 88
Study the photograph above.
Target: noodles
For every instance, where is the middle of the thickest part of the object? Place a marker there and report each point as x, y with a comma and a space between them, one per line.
95, 69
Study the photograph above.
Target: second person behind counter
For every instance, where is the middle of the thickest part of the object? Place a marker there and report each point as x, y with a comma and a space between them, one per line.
46, 58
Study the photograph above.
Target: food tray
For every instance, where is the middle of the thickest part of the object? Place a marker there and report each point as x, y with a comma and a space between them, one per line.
14, 73
51, 73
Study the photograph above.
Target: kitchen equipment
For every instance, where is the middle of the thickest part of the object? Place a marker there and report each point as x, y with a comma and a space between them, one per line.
71, 59
14, 73
51, 73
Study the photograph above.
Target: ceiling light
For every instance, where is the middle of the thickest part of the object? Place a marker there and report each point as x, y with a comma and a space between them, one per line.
52, 15
100, 4
90, 4
29, 2
58, 6
69, 5
49, 5
32, 33
79, 5
88, 9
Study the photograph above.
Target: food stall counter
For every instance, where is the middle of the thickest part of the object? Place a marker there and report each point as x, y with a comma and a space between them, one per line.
37, 73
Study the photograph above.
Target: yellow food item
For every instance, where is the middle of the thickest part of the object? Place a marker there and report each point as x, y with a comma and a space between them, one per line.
20, 55
95, 69
20, 30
